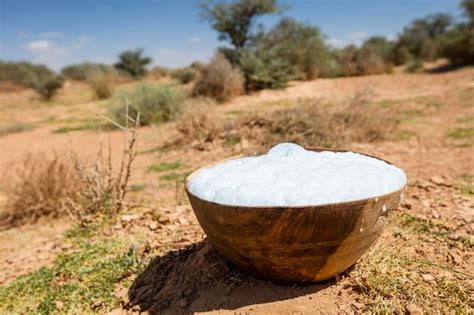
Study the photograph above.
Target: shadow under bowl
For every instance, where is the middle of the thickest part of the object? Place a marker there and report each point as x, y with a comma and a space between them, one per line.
302, 244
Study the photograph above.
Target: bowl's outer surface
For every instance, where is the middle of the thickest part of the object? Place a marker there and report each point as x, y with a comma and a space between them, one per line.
300, 244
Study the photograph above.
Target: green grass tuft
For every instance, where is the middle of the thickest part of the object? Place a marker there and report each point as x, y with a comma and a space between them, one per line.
164, 166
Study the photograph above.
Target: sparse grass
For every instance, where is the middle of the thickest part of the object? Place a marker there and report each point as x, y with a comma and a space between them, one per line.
465, 120
15, 128
231, 140
435, 229
164, 166
86, 125
467, 184
411, 116
466, 96
405, 135
81, 280
138, 187
390, 281
462, 134
174, 176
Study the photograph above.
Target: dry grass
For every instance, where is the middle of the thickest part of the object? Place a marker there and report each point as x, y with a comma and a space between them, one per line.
102, 86
59, 185
199, 123
219, 80
41, 186
310, 124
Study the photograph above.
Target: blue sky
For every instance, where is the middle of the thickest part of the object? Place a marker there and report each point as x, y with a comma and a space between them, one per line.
61, 32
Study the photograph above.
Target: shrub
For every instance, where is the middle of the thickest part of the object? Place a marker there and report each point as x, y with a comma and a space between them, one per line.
58, 185
41, 186
48, 87
159, 72
198, 124
197, 65
86, 71
155, 104
414, 65
101, 85
371, 58
184, 75
320, 125
24, 74
421, 39
458, 44
219, 80
263, 68
133, 63
300, 44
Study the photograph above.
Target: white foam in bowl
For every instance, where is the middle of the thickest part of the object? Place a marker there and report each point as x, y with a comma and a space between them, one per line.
289, 175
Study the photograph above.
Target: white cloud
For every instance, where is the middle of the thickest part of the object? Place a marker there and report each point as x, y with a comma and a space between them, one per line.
354, 38
195, 40
39, 45
81, 41
51, 34
335, 42
48, 52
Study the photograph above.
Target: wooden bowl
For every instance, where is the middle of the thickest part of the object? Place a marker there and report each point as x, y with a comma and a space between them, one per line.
294, 244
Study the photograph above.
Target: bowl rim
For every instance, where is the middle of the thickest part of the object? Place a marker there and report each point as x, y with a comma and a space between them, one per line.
325, 205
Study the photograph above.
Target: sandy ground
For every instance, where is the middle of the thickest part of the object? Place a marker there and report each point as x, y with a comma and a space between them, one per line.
433, 162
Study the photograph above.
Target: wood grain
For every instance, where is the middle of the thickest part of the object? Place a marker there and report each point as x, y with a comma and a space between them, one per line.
294, 244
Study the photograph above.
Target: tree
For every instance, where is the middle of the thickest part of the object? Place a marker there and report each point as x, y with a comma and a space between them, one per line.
468, 7
133, 63
299, 44
421, 38
234, 21
458, 44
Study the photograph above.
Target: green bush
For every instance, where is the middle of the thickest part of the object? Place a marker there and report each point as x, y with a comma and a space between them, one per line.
48, 87
219, 80
24, 74
422, 38
184, 75
299, 44
156, 104
414, 65
263, 68
372, 58
84, 71
458, 44
133, 63
101, 85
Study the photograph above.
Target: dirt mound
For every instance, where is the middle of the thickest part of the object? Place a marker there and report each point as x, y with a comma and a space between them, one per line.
198, 279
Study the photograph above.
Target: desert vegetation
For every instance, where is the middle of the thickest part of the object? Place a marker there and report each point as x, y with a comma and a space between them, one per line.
93, 214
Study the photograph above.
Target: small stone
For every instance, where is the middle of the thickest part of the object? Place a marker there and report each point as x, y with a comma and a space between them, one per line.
438, 180
426, 203
357, 305
427, 277
130, 217
153, 226
164, 219
121, 293
414, 309
118, 226
435, 214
